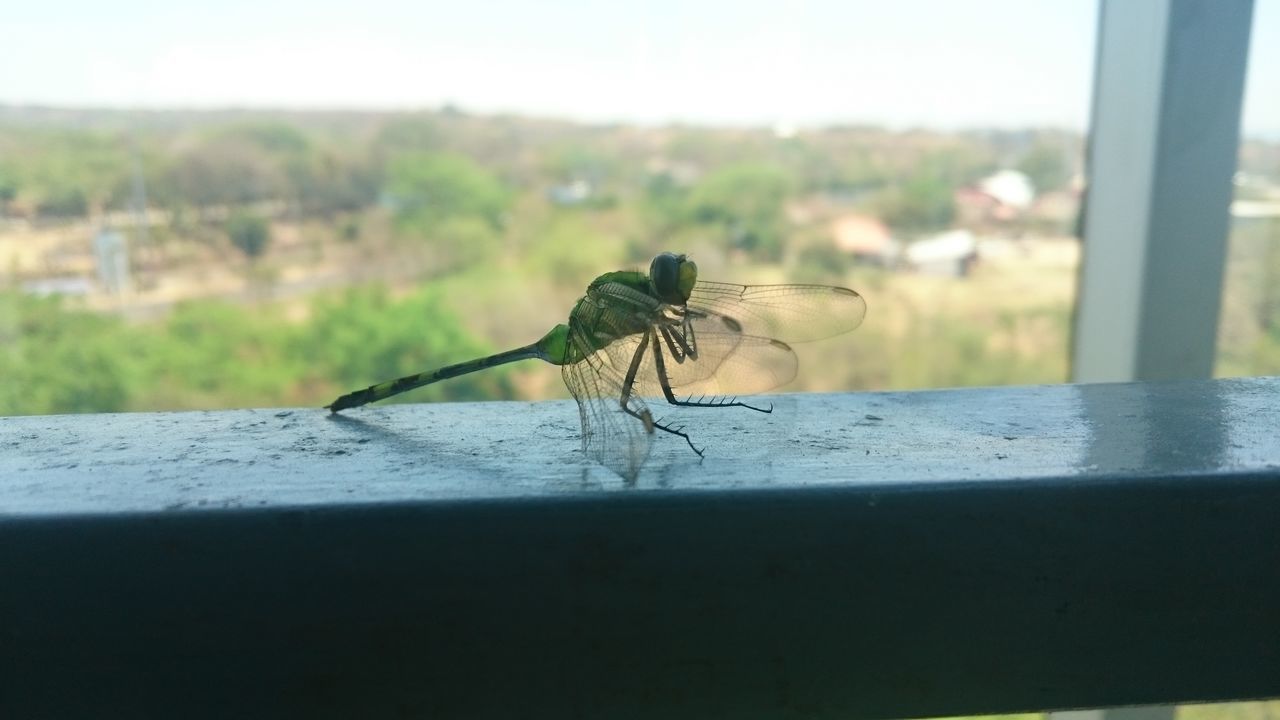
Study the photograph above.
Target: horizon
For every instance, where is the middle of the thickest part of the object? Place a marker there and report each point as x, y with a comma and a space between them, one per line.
264, 110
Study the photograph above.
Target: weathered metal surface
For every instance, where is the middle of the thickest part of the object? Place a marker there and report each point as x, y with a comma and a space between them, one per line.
870, 555
150, 462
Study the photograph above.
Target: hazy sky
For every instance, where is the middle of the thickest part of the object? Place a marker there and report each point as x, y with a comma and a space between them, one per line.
939, 63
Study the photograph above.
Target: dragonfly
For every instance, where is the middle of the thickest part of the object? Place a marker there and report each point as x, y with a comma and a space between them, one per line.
663, 337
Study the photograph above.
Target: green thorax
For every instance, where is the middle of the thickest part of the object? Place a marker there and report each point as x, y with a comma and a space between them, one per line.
617, 305
598, 318
633, 279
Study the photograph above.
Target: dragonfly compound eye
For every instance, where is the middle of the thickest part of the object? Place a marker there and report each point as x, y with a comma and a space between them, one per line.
688, 278
668, 275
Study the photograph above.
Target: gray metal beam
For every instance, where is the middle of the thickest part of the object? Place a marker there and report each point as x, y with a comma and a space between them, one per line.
877, 555
1163, 142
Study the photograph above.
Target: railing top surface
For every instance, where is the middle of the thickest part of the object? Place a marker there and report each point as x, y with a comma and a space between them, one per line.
1032, 548
148, 462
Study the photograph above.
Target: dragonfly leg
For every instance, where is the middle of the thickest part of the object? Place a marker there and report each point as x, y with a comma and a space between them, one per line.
645, 416
682, 344
665, 382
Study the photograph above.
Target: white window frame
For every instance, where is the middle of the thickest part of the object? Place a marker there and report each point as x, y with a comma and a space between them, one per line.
1163, 142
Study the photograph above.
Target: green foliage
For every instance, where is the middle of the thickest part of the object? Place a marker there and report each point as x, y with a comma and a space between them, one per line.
223, 170
1256, 710
9, 182
264, 161
574, 161
331, 182
426, 190
747, 202
922, 197
248, 232
940, 348
62, 201
349, 231
1249, 333
843, 164
464, 198
1046, 166
407, 135
924, 202
463, 241
570, 252
57, 360
212, 355
366, 336
270, 137
61, 173
821, 262
662, 203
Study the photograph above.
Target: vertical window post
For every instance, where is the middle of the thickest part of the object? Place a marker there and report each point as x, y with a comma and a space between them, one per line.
1168, 89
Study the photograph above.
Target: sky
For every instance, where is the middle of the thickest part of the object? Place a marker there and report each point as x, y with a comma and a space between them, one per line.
933, 63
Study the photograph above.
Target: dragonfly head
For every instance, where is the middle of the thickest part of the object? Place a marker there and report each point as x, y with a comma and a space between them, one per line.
673, 277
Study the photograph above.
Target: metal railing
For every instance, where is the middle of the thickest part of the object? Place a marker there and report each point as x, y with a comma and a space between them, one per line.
869, 555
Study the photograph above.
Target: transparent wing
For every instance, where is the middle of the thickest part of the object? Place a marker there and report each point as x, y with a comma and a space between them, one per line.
791, 313
722, 363
610, 435
706, 339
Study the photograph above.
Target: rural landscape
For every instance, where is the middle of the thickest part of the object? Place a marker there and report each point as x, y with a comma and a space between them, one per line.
198, 260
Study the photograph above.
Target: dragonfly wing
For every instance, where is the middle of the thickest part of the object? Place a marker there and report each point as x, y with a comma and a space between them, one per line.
707, 359
695, 347
610, 436
752, 365
791, 313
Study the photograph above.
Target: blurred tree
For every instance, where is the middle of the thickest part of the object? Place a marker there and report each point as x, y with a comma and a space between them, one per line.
267, 161
248, 232
61, 360
1046, 166
211, 354
364, 336
70, 173
271, 137
461, 241
427, 190
58, 200
222, 171
843, 163
923, 199
571, 252
312, 175
413, 134
662, 204
747, 202
573, 160
9, 183
922, 203
820, 261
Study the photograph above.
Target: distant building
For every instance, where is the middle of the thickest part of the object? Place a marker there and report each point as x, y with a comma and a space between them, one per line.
951, 253
570, 193
1011, 188
976, 208
1255, 210
866, 238
997, 198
